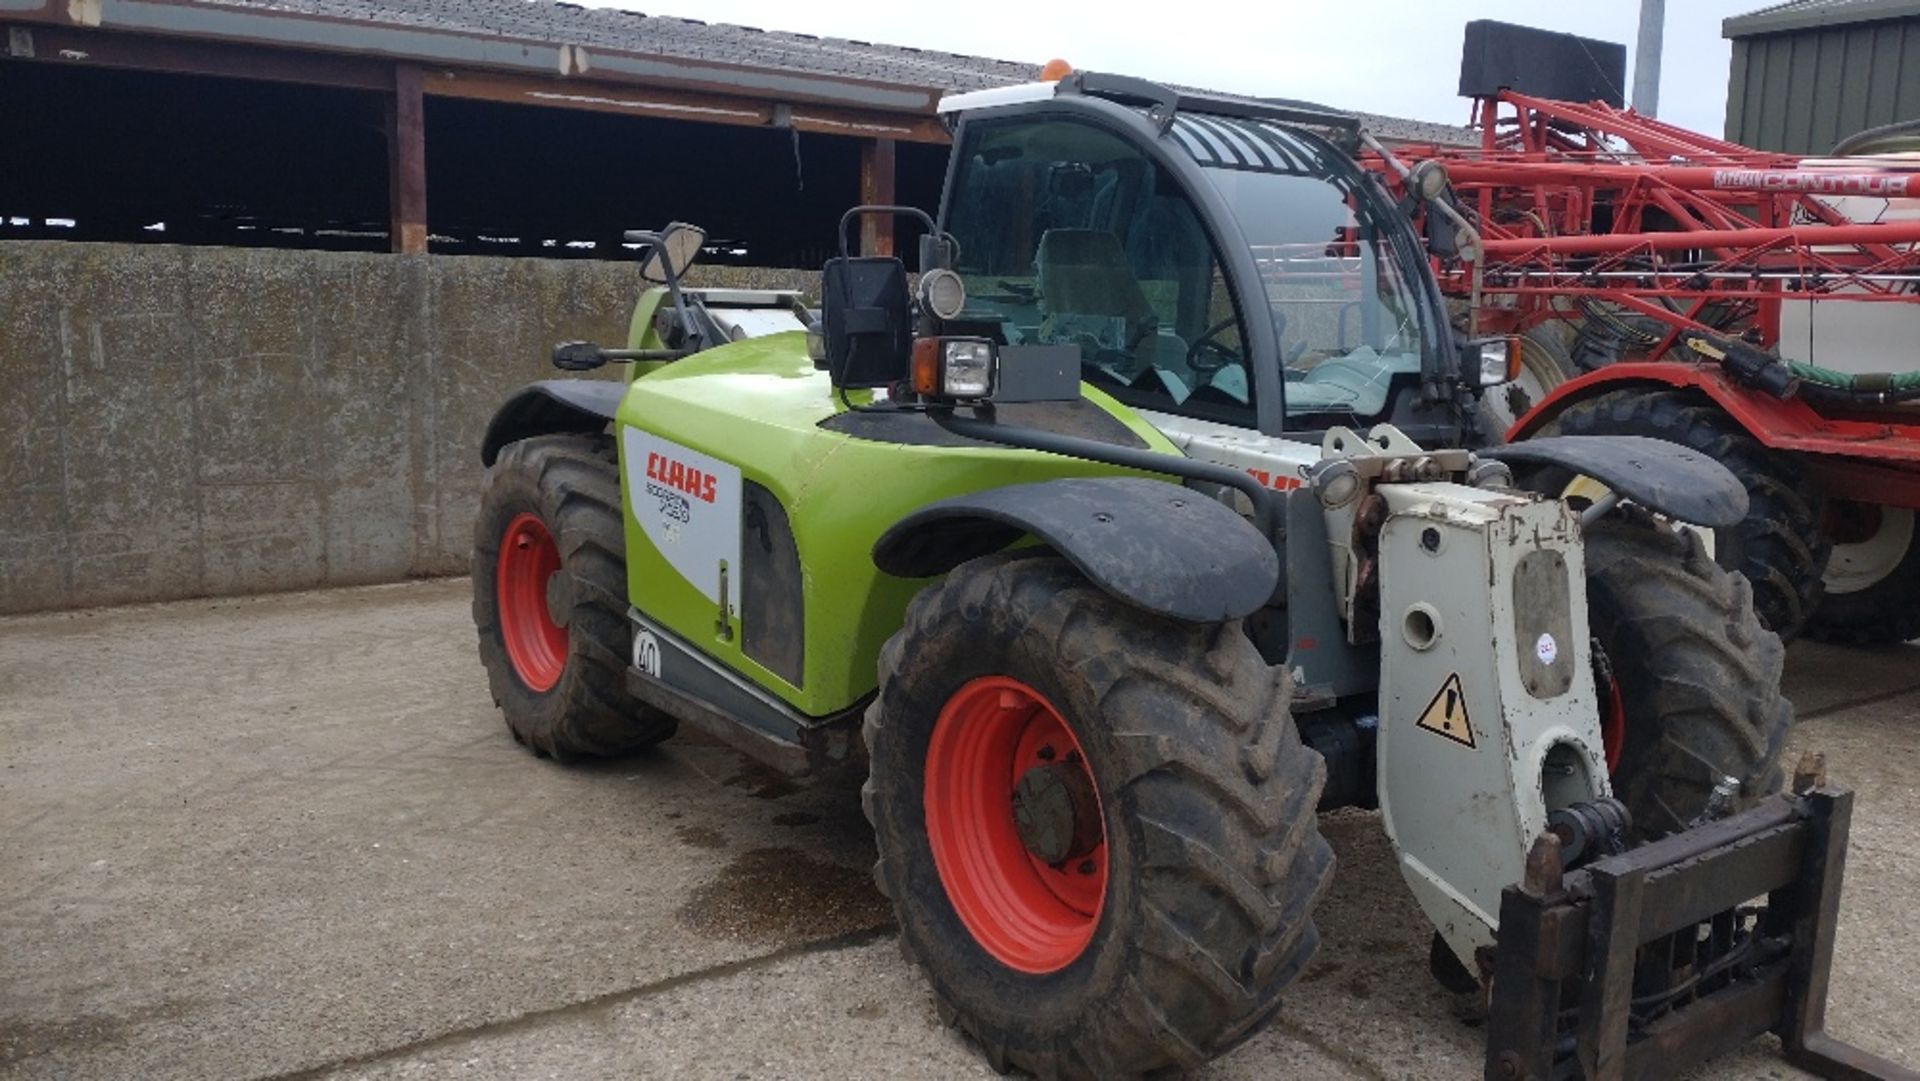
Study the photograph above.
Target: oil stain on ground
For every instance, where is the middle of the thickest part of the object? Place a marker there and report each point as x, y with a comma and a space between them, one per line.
700, 837
782, 894
762, 781
22, 1039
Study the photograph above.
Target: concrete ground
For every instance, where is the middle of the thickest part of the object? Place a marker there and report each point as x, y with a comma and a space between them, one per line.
289, 836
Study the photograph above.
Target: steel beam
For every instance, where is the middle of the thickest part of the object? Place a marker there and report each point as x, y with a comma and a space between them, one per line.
184, 56
625, 99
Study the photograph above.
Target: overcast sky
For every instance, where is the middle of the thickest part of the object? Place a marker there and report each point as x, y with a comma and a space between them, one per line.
1398, 57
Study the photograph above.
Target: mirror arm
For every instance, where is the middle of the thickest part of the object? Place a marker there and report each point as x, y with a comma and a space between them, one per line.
645, 354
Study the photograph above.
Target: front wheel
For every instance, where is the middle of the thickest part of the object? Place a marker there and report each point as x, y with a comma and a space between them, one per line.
1096, 825
1689, 681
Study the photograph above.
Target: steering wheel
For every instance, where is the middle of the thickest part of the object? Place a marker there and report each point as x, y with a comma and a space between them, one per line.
1207, 355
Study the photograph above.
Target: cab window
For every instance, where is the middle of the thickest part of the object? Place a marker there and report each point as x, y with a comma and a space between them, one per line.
1068, 234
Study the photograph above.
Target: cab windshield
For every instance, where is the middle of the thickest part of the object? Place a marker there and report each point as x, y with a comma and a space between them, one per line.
1342, 306
1344, 309
1071, 234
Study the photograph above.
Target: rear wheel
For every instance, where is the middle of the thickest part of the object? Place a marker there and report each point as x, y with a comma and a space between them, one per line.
549, 599
1689, 680
1873, 577
1096, 825
1778, 547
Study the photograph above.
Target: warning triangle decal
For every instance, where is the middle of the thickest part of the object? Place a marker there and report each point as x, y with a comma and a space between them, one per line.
1446, 715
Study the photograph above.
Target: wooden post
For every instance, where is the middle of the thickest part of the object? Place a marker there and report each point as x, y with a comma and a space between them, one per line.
876, 189
407, 161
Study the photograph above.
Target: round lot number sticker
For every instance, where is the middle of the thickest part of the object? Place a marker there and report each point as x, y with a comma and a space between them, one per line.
1546, 649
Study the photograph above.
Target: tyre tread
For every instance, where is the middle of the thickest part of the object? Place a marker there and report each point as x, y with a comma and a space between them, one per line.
1227, 807
573, 482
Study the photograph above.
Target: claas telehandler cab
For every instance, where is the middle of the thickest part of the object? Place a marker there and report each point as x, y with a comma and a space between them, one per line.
1109, 552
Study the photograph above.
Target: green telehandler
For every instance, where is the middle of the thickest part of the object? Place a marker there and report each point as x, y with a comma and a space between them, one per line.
1125, 541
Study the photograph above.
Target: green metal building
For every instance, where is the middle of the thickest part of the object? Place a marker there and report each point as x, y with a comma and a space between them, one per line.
1808, 73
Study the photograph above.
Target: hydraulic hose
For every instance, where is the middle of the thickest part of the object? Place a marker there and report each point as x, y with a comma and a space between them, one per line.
1784, 378
1900, 135
1827, 377
1877, 387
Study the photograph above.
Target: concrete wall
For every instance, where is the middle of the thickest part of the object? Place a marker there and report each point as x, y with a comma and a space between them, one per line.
186, 421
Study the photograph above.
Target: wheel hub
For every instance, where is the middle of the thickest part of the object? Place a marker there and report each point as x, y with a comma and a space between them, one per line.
1056, 812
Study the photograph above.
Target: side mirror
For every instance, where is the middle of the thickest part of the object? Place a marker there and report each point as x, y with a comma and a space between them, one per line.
578, 356
866, 321
671, 253
866, 315
1493, 360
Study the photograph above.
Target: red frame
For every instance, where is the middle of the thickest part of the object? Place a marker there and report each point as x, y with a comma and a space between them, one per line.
1586, 200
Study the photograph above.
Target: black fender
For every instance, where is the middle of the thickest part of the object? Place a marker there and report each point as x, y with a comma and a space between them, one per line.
1654, 473
1152, 544
550, 407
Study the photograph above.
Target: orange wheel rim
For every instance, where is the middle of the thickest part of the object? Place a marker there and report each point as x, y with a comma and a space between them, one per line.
536, 645
998, 741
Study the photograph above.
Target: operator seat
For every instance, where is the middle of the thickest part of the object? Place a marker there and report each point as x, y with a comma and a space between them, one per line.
1088, 293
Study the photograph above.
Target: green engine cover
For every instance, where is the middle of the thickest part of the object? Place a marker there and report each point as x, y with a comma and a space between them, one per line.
705, 440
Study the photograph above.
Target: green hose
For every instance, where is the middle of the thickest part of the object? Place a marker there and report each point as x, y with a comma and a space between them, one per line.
1827, 377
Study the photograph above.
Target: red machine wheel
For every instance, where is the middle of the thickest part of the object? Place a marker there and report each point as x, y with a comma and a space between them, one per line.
1003, 767
1873, 577
536, 645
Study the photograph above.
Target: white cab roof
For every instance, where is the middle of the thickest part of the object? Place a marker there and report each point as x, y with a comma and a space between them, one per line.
1017, 94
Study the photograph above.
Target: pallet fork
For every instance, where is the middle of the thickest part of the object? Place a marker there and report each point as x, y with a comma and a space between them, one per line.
1644, 964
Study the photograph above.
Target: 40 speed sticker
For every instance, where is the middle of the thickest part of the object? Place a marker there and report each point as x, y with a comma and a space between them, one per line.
687, 503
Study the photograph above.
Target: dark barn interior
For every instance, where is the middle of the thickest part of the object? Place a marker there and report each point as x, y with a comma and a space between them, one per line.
192, 159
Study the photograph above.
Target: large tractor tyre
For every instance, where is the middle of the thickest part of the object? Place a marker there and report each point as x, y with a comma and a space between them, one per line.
1096, 825
549, 600
1779, 547
1544, 365
1689, 680
1872, 584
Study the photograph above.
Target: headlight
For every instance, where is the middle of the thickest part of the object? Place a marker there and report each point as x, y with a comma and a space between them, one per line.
1499, 361
968, 371
955, 368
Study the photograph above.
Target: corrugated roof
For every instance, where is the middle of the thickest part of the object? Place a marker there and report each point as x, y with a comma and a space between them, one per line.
687, 39
1801, 14
612, 38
